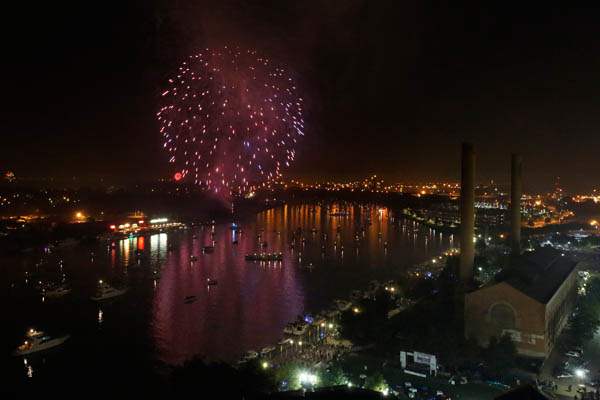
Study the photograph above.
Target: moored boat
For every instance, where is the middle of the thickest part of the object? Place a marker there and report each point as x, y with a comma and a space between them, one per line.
104, 291
38, 341
264, 257
57, 291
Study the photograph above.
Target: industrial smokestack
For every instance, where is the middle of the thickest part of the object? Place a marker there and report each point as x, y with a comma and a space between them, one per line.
467, 213
516, 190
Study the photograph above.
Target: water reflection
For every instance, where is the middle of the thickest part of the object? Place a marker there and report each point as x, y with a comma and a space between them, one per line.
253, 301
171, 313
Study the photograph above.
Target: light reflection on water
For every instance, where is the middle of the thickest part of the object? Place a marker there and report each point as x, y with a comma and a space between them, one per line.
252, 301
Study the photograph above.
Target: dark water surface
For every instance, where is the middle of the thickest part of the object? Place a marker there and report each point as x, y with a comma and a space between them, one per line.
248, 308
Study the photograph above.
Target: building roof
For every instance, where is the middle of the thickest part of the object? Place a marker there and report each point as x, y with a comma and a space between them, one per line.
525, 392
539, 274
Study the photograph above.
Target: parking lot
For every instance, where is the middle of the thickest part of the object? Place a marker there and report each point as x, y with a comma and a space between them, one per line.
581, 370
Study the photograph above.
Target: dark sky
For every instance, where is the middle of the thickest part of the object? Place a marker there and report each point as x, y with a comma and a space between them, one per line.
393, 87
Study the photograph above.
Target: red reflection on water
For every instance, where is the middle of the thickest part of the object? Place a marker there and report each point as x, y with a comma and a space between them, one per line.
140, 243
248, 308
252, 302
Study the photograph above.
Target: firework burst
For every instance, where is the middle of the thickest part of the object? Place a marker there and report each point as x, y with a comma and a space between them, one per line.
230, 120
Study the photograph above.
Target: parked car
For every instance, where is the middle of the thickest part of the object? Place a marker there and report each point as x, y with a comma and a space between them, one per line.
458, 380
564, 375
412, 393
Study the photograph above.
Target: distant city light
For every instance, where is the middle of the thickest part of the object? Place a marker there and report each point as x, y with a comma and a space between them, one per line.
158, 220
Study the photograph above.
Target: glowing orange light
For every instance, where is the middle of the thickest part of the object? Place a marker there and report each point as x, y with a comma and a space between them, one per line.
178, 176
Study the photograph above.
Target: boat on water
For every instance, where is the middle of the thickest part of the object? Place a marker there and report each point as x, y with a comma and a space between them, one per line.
339, 214
190, 299
250, 355
300, 328
267, 350
342, 305
211, 282
296, 328
208, 249
264, 257
332, 312
393, 312
356, 295
104, 291
193, 258
57, 291
38, 341
289, 329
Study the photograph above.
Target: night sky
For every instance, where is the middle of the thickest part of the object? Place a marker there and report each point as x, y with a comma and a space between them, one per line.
392, 87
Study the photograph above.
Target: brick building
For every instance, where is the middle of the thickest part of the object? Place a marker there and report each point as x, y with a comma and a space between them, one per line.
530, 301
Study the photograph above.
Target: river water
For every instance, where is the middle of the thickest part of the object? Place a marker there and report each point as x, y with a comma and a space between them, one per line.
248, 307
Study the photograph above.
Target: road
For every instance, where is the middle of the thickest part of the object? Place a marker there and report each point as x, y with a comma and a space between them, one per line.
591, 354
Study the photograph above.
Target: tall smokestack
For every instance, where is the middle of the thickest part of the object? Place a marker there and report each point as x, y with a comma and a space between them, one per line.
516, 190
467, 213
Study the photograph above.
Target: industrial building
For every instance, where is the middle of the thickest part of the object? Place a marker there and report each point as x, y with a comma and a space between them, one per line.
530, 301
532, 298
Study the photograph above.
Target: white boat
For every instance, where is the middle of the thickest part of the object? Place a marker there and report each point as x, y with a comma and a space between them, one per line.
356, 295
300, 328
394, 312
193, 258
250, 355
57, 291
342, 305
38, 341
105, 291
266, 351
289, 329
332, 313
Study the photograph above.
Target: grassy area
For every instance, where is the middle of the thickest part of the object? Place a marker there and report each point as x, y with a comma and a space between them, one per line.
354, 365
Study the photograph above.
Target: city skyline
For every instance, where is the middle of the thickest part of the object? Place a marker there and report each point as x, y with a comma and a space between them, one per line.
392, 88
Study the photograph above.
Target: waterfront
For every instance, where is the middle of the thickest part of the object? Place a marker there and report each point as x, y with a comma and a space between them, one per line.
153, 325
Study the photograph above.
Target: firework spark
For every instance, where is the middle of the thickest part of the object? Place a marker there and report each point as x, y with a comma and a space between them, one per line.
230, 120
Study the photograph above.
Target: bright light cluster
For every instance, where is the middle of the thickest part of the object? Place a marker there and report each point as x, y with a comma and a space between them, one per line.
230, 120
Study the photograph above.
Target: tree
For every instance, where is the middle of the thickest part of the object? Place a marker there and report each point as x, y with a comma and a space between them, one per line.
376, 382
247, 382
333, 376
585, 323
